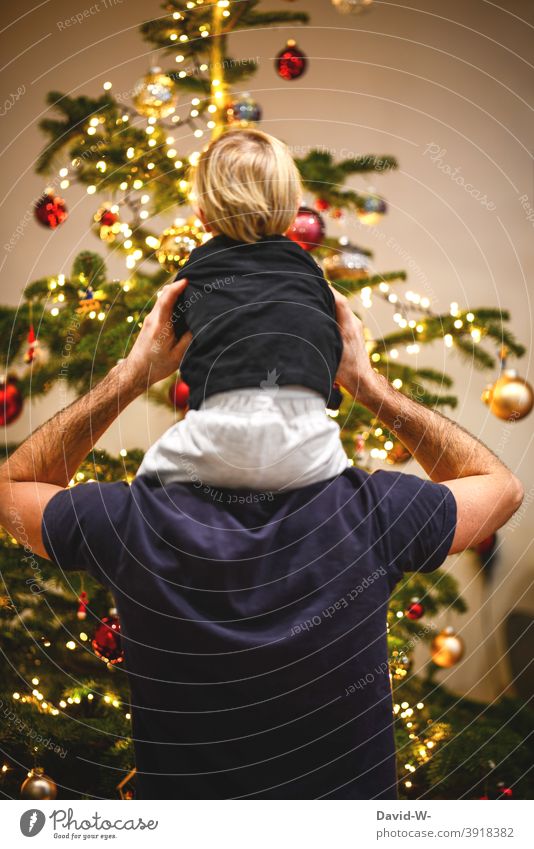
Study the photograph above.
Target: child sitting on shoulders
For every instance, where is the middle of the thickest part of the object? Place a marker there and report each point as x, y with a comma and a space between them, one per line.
266, 346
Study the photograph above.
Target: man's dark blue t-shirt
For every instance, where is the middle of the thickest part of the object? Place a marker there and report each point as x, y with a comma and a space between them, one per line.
246, 618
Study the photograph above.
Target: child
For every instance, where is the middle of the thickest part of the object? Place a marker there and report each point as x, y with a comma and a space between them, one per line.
266, 346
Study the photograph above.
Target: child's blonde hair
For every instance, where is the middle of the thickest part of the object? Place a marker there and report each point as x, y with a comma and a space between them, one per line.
246, 185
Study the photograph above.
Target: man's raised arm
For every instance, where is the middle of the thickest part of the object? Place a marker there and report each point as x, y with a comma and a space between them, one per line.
47, 460
487, 494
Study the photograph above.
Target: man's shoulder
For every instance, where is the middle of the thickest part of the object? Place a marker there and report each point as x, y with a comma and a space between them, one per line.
91, 494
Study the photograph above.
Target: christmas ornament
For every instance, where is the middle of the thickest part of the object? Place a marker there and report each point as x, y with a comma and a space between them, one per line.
447, 648
82, 607
38, 786
336, 214
485, 546
371, 209
307, 229
88, 302
31, 351
106, 640
360, 454
505, 791
321, 205
177, 242
486, 550
398, 454
510, 397
155, 95
108, 223
124, 791
179, 395
291, 62
348, 264
399, 665
351, 7
11, 401
50, 210
414, 610
243, 111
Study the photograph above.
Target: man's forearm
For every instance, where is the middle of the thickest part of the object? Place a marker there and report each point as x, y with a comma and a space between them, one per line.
486, 493
443, 448
54, 451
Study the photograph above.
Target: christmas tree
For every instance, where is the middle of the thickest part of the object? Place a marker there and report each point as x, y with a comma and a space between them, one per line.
64, 690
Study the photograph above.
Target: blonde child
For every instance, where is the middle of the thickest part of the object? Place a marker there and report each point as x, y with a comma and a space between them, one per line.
266, 346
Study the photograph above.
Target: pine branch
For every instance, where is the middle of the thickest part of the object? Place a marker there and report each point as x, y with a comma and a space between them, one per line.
269, 19
368, 162
325, 178
75, 111
351, 287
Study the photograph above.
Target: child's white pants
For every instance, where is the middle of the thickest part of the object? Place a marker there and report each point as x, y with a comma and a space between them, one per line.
271, 439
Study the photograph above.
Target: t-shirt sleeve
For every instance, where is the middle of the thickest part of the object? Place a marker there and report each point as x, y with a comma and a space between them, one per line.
417, 520
82, 527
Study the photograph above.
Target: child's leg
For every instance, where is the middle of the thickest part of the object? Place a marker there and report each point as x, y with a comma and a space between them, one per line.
250, 439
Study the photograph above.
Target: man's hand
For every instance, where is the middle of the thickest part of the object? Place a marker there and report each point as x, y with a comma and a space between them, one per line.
355, 372
156, 353
43, 465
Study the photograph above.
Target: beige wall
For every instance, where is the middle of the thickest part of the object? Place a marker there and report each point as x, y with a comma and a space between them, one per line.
401, 78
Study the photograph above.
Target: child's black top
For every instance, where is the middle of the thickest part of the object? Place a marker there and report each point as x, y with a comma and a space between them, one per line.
261, 314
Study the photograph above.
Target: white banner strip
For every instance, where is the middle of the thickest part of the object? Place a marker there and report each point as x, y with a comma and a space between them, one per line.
264, 825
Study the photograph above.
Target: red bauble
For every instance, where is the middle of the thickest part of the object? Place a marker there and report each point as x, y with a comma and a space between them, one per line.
291, 62
321, 205
11, 402
307, 229
336, 214
106, 640
414, 610
50, 210
107, 218
485, 546
179, 394
504, 791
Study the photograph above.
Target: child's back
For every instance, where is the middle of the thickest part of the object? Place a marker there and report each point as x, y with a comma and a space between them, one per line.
258, 312
265, 347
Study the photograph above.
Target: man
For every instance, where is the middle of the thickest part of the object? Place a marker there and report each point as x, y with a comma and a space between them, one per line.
247, 618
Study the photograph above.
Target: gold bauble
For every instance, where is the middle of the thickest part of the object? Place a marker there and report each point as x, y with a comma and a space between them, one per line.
155, 95
510, 397
177, 242
38, 786
351, 7
347, 264
447, 648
